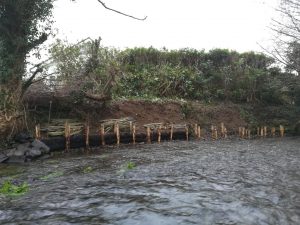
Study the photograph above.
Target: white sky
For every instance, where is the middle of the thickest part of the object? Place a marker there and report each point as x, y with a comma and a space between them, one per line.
200, 24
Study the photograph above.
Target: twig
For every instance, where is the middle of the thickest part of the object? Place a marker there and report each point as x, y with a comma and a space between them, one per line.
124, 14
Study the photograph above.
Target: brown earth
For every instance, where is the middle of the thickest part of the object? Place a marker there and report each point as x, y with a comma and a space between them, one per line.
145, 112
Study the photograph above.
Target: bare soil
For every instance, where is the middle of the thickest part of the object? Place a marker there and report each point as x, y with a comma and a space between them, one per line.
145, 112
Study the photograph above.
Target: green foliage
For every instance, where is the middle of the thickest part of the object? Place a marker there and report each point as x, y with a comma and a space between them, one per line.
24, 25
87, 169
189, 74
85, 68
10, 189
247, 114
293, 56
130, 165
52, 175
187, 109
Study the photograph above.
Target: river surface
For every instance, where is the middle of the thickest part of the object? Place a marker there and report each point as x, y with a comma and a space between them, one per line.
196, 182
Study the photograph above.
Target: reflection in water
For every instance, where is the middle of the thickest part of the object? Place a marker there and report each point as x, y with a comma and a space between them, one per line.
222, 182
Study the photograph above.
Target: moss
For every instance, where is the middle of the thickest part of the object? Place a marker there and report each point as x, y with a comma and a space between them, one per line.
87, 169
10, 189
52, 175
130, 165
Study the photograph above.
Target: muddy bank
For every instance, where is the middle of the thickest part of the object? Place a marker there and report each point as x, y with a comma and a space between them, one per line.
169, 111
144, 112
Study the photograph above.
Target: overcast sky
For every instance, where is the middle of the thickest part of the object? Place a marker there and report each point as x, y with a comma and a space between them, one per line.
200, 24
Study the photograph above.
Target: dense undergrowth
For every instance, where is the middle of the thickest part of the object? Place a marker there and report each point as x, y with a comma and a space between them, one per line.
216, 75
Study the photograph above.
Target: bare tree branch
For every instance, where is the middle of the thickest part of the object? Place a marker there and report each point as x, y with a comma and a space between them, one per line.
28, 82
116, 11
278, 57
43, 78
279, 31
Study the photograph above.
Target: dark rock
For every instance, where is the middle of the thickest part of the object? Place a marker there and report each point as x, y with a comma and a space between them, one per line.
33, 153
3, 157
9, 152
25, 152
23, 137
22, 149
23, 146
36, 144
16, 159
20, 152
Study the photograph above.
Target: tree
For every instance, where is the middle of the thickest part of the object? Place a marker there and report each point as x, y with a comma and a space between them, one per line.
287, 35
293, 57
24, 26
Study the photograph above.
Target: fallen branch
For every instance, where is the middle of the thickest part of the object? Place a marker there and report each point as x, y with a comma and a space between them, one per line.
97, 97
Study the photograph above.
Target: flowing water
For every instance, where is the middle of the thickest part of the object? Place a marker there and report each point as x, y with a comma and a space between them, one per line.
220, 182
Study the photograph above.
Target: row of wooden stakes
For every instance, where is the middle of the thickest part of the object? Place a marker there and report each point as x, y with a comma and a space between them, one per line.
260, 132
159, 127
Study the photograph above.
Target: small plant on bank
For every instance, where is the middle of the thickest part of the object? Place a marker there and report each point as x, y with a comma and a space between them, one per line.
130, 165
52, 175
10, 189
186, 109
87, 169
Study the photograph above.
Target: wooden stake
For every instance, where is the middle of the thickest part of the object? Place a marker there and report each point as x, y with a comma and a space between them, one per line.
212, 131
199, 132
243, 132
265, 131
215, 133
148, 135
131, 127
67, 135
102, 132
222, 129
115, 128
225, 132
38, 132
187, 132
262, 132
87, 136
159, 134
196, 130
118, 133
281, 128
273, 131
257, 133
171, 132
133, 134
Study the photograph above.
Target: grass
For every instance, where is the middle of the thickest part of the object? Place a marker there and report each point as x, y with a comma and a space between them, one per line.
87, 169
10, 189
126, 167
130, 165
52, 175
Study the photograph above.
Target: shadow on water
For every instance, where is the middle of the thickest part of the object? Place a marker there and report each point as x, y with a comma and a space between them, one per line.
221, 182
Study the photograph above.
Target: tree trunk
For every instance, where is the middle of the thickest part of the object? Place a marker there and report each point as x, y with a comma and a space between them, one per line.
11, 113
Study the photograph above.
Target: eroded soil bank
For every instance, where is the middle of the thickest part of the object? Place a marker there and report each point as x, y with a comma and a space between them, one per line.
170, 111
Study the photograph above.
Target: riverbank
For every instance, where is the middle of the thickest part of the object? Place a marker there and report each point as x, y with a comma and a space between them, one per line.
164, 111
169, 111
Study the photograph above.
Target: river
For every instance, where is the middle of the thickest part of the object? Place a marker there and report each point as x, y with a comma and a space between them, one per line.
196, 182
